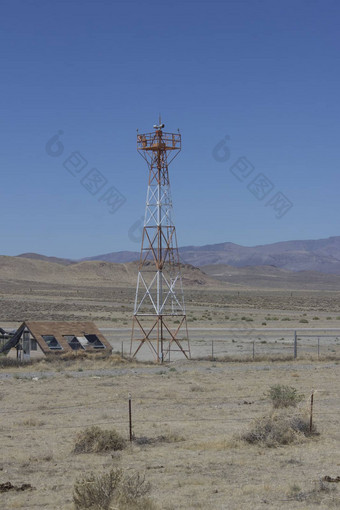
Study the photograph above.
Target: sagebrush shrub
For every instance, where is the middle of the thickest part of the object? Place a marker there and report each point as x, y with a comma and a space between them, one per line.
112, 490
284, 396
96, 440
279, 429
96, 491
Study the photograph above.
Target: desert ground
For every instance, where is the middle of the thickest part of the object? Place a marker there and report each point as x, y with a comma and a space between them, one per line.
192, 413
189, 417
221, 319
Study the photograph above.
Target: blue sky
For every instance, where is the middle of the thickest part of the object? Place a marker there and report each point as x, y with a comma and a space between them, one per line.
263, 73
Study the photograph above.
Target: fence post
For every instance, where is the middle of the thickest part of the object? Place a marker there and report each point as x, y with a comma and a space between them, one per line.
122, 349
212, 349
295, 345
311, 412
253, 349
130, 418
318, 347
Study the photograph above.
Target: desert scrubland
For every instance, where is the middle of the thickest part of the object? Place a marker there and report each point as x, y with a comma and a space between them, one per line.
193, 415
189, 417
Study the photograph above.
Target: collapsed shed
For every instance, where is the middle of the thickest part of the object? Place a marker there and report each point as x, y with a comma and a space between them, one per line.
37, 339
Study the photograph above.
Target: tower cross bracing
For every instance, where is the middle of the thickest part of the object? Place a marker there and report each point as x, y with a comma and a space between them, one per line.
159, 312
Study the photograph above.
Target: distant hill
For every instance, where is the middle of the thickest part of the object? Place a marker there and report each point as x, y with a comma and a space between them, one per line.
91, 273
56, 260
269, 277
322, 255
118, 257
216, 276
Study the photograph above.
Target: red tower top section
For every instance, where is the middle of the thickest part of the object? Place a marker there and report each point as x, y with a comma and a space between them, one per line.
158, 140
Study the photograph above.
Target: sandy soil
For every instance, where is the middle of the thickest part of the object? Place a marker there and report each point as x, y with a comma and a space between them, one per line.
216, 316
205, 307
201, 407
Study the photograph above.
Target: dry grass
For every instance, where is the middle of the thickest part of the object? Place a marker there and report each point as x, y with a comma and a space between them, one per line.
206, 468
247, 359
9, 362
199, 408
164, 438
322, 493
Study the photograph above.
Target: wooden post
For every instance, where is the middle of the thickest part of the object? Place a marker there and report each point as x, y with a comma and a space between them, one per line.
311, 412
253, 349
318, 347
212, 349
295, 345
130, 418
122, 349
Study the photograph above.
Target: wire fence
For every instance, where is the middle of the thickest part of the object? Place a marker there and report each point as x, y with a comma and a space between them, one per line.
220, 410
238, 343
243, 343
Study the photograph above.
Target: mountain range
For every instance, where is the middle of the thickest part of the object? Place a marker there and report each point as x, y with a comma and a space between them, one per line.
322, 255
23, 272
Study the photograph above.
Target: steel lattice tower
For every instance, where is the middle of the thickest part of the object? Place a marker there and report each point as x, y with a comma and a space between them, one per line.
159, 314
